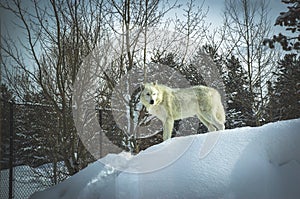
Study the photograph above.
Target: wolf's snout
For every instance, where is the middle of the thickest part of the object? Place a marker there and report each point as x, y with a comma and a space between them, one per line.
151, 101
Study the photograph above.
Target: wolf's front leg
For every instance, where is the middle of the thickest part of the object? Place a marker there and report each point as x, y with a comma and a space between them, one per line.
168, 127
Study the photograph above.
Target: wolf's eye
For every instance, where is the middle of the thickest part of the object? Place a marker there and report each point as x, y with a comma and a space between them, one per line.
148, 94
154, 93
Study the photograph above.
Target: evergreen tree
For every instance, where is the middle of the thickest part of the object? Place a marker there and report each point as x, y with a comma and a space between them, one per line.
291, 20
284, 100
239, 98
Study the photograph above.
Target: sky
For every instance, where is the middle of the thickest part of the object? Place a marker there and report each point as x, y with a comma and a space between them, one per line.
216, 10
214, 16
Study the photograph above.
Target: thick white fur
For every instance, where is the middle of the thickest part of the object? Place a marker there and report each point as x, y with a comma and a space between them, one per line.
172, 104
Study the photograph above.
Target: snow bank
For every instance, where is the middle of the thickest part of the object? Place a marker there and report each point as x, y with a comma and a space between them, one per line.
261, 162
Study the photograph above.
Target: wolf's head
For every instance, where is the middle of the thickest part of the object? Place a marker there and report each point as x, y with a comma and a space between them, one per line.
150, 95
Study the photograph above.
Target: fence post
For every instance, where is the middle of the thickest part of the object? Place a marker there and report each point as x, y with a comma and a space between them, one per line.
1, 119
100, 132
11, 148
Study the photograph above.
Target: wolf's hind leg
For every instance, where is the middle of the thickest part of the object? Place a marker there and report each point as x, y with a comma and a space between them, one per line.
209, 126
218, 120
211, 117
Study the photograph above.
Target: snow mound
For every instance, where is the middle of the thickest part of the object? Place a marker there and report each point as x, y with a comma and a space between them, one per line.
260, 162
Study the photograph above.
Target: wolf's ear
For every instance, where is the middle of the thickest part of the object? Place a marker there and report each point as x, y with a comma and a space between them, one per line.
154, 83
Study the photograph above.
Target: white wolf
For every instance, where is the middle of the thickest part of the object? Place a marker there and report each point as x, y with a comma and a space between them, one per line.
172, 104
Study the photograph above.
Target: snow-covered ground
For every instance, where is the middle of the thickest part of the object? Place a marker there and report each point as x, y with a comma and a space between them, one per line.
261, 162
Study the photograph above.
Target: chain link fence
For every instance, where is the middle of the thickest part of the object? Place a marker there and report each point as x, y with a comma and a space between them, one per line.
25, 165
24, 182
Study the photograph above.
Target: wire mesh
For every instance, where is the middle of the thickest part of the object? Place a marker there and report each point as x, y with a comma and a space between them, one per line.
24, 172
